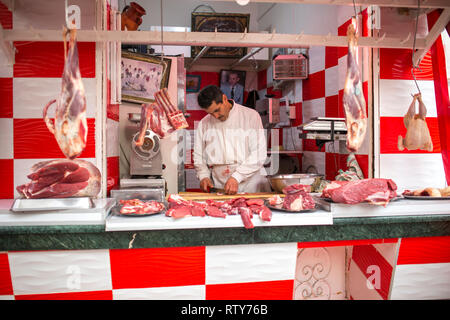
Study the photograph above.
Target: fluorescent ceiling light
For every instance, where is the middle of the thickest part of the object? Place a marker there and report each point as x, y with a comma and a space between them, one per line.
242, 2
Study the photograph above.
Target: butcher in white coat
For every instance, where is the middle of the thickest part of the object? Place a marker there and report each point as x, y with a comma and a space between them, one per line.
229, 146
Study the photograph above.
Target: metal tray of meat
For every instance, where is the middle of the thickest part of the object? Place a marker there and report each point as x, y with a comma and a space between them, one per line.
280, 208
116, 211
426, 197
29, 205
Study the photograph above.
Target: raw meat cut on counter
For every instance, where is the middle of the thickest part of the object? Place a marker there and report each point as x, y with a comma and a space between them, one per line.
297, 198
353, 99
180, 207
429, 192
61, 179
417, 133
137, 206
375, 191
70, 126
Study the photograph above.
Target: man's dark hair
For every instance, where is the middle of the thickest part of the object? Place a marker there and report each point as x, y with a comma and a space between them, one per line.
208, 95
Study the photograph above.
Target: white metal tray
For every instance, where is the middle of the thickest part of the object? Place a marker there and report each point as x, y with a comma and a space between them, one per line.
27, 205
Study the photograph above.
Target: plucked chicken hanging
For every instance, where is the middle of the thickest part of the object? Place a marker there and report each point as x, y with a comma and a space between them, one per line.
353, 100
417, 133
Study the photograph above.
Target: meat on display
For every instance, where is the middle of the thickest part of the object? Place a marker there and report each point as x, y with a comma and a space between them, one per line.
70, 126
353, 99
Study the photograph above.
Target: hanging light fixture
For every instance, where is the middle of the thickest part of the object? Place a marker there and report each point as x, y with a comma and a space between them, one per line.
242, 2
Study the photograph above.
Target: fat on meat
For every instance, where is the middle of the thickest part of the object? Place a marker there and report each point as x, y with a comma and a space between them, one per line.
69, 126
353, 99
417, 132
61, 179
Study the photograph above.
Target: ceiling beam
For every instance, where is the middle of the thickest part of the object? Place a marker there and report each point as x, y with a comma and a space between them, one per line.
382, 3
213, 39
435, 31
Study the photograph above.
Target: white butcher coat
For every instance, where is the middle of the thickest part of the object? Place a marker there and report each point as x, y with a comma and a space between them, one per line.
236, 147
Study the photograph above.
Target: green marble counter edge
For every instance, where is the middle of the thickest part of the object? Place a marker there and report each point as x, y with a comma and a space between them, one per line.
82, 237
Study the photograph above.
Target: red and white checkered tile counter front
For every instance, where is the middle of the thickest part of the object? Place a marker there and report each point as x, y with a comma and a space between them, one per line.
408, 268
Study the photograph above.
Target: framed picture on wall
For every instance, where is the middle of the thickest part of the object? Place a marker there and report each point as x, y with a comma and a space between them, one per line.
222, 22
193, 83
142, 76
232, 84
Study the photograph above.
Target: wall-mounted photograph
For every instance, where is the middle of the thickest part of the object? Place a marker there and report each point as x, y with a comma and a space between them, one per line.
142, 76
232, 84
193, 82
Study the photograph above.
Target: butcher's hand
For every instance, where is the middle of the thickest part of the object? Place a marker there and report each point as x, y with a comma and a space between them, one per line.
205, 184
231, 187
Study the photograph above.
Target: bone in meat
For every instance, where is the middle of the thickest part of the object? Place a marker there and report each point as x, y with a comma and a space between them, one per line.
353, 100
175, 116
70, 125
62, 179
417, 133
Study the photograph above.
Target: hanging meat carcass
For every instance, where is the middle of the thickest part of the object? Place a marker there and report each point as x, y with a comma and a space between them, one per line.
175, 116
62, 179
70, 125
417, 133
353, 100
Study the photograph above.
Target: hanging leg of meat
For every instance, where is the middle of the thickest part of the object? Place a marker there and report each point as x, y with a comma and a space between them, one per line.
417, 133
62, 179
70, 125
353, 100
175, 116
146, 113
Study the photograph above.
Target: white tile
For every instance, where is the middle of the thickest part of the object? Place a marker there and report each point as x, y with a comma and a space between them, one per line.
49, 14
316, 59
395, 97
192, 181
331, 81
413, 171
313, 108
342, 67
298, 91
30, 95
6, 138
389, 251
60, 271
112, 138
311, 160
162, 293
421, 282
6, 68
249, 263
6, 297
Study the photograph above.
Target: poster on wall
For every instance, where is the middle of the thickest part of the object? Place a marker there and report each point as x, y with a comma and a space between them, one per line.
232, 83
222, 22
142, 76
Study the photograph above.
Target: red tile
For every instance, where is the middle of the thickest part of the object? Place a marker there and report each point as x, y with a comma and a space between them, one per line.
5, 274
392, 127
314, 86
311, 145
331, 56
334, 162
207, 78
363, 162
112, 168
157, 267
396, 64
194, 116
332, 106
342, 31
424, 250
298, 114
33, 140
366, 256
6, 97
262, 79
7, 178
88, 295
267, 290
112, 112
46, 59
277, 93
340, 243
5, 17
341, 112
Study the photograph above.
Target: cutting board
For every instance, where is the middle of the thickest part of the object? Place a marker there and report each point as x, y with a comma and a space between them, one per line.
201, 196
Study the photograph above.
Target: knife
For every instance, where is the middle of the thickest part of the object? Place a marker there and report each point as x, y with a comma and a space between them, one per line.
216, 190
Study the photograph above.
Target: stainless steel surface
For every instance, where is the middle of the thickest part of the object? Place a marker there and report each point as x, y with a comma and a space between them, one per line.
138, 193
280, 181
26, 205
322, 136
324, 124
148, 183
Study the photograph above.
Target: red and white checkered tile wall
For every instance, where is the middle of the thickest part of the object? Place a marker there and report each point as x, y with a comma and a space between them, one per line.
395, 88
262, 271
27, 86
